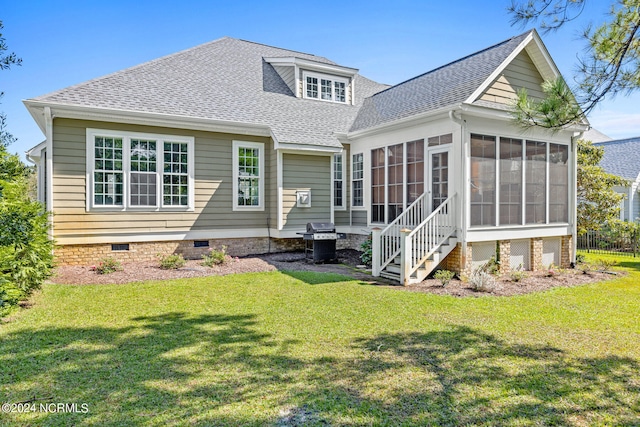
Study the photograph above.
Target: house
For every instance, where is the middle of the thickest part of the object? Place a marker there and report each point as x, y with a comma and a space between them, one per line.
238, 143
622, 158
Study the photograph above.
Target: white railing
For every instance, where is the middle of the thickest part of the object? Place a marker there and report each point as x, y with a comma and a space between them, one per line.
386, 243
421, 242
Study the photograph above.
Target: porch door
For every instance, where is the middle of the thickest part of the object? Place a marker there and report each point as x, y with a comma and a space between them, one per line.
438, 167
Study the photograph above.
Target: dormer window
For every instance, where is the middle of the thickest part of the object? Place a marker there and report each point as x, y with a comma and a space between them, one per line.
325, 87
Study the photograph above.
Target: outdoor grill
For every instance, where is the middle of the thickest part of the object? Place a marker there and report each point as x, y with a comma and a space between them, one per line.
320, 241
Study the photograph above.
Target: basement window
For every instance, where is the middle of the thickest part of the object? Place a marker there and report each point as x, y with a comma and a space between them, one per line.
120, 247
200, 243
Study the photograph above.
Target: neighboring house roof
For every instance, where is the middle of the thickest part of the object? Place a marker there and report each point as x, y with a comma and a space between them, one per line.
226, 80
594, 135
448, 85
622, 157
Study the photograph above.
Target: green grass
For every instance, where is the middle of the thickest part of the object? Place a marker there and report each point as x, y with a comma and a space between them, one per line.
318, 349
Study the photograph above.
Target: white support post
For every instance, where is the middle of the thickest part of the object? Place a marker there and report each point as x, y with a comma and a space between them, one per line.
375, 251
405, 256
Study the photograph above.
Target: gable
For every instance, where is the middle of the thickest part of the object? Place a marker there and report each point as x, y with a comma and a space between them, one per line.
520, 73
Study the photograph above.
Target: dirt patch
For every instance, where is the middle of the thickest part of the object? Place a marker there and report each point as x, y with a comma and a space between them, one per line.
348, 264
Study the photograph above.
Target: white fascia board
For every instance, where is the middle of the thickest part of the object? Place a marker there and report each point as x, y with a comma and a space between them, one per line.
406, 121
308, 64
492, 113
321, 150
33, 154
144, 118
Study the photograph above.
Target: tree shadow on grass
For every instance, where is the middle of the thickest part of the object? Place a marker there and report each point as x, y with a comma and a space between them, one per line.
223, 370
165, 367
467, 377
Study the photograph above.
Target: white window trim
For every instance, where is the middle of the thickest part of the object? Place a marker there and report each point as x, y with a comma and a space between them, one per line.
343, 206
247, 144
355, 207
333, 79
547, 223
126, 170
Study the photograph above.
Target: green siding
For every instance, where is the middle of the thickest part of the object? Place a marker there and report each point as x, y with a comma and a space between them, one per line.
302, 172
359, 218
213, 187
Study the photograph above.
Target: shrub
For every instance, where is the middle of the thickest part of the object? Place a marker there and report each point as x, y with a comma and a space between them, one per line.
518, 275
580, 258
172, 262
215, 257
492, 266
107, 266
605, 264
482, 281
365, 247
26, 257
444, 276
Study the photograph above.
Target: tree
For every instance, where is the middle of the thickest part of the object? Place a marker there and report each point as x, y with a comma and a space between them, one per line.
6, 61
25, 248
611, 64
597, 202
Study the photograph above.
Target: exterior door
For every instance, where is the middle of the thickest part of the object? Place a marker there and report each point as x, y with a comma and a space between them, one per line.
438, 167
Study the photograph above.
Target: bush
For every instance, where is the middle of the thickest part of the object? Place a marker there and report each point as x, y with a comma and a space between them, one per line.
605, 264
482, 281
492, 266
444, 276
172, 262
365, 247
107, 266
518, 275
215, 257
26, 252
580, 258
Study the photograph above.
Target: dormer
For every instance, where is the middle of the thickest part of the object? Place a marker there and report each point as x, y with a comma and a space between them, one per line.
316, 80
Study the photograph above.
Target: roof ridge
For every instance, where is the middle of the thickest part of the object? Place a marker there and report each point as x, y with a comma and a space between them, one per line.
456, 61
280, 48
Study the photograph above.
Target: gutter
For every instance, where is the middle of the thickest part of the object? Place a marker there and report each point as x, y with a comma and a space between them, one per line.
48, 120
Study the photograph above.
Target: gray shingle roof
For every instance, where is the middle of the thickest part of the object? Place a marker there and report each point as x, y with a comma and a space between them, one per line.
447, 85
226, 79
621, 157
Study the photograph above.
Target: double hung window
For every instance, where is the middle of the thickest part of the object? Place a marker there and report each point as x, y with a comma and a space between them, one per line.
129, 170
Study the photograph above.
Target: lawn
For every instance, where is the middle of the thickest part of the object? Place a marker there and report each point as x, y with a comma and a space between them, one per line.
318, 349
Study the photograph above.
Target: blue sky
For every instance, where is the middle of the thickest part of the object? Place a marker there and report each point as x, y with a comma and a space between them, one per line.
67, 42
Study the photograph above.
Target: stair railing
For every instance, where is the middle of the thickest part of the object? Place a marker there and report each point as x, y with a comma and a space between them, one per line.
418, 244
385, 243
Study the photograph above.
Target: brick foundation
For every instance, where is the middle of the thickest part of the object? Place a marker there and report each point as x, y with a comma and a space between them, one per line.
504, 247
566, 251
535, 252
149, 251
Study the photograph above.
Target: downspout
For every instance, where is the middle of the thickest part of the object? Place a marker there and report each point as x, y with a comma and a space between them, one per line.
463, 184
48, 120
574, 207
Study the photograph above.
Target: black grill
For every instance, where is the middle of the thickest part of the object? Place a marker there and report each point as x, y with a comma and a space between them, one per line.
320, 240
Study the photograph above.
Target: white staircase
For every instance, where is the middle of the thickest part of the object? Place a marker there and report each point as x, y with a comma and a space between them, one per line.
413, 245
